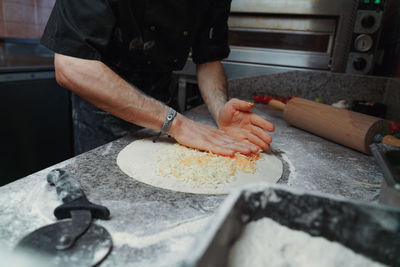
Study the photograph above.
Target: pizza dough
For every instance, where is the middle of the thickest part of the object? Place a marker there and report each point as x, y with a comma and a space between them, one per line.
168, 165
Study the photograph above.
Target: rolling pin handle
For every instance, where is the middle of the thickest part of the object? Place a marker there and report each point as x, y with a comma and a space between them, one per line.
275, 104
387, 140
391, 140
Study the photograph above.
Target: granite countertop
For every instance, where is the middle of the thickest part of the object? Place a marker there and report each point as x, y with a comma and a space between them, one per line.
156, 227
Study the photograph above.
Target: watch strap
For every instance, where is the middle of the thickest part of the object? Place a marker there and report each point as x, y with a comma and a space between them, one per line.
168, 120
167, 123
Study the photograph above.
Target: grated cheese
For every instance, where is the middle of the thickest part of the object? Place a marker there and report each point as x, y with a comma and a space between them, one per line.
203, 168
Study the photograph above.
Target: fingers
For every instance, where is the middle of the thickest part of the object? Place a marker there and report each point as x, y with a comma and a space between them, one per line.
209, 146
258, 141
258, 147
220, 150
260, 133
241, 105
206, 138
216, 141
244, 147
260, 122
229, 143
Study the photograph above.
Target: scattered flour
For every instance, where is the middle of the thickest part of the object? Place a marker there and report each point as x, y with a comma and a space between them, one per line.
267, 243
174, 234
23, 211
107, 149
292, 174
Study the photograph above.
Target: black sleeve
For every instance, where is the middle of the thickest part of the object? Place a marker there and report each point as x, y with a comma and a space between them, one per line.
211, 42
79, 28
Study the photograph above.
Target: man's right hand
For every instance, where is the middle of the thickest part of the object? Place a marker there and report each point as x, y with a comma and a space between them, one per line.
206, 138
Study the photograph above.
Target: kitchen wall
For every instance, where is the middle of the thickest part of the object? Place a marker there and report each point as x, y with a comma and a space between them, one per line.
24, 18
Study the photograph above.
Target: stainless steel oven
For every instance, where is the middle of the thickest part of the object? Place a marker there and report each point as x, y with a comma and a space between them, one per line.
268, 36
332, 35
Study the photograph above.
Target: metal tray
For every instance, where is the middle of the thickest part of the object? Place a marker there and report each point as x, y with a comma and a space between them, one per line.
388, 158
369, 229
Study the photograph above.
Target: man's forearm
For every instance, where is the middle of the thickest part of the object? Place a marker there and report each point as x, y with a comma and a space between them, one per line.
98, 84
212, 83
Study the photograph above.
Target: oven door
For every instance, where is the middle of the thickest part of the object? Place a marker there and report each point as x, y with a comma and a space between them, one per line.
279, 40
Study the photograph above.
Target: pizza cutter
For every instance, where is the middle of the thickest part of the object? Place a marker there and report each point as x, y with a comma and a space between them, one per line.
75, 240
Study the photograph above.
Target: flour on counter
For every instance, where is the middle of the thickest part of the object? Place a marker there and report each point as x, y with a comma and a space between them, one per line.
292, 170
267, 243
35, 206
107, 149
173, 234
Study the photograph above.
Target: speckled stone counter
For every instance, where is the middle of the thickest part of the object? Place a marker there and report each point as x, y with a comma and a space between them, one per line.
156, 227
331, 86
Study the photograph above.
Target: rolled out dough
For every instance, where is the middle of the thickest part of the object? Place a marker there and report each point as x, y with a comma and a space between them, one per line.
141, 161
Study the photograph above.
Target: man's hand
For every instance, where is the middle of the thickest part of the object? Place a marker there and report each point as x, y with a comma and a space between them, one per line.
233, 117
236, 120
206, 138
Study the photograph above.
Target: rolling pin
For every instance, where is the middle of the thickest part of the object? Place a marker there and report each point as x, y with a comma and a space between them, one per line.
342, 126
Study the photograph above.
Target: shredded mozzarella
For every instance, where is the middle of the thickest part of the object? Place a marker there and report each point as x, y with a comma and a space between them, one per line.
203, 168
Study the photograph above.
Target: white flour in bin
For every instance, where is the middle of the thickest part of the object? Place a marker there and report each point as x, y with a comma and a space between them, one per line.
267, 243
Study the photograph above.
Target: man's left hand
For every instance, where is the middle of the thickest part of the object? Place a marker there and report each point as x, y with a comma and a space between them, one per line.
236, 120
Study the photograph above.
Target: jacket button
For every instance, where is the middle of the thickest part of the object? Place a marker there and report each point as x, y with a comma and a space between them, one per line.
153, 28
149, 62
135, 44
176, 60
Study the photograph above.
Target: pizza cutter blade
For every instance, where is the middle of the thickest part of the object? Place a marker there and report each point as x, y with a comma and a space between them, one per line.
89, 250
75, 241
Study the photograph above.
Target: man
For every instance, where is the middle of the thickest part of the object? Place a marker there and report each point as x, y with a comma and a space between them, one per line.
119, 54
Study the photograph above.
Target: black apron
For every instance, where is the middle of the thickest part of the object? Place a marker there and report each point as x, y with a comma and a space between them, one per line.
94, 127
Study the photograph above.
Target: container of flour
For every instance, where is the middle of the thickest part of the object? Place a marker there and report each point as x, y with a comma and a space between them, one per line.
325, 228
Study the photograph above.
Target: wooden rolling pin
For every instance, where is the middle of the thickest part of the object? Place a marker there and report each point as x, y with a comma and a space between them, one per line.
345, 127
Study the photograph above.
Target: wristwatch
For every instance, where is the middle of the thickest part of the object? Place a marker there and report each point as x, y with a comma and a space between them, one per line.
167, 123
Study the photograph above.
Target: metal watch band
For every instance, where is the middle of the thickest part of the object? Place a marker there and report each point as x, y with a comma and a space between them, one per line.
168, 120
167, 123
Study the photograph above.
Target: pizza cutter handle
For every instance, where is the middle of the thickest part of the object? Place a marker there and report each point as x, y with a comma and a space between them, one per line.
97, 211
68, 189
70, 192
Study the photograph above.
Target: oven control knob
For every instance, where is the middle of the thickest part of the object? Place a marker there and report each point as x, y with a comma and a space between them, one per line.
363, 43
368, 22
359, 63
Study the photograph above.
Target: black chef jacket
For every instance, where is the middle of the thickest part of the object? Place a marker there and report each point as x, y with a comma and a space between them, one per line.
136, 36
142, 41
